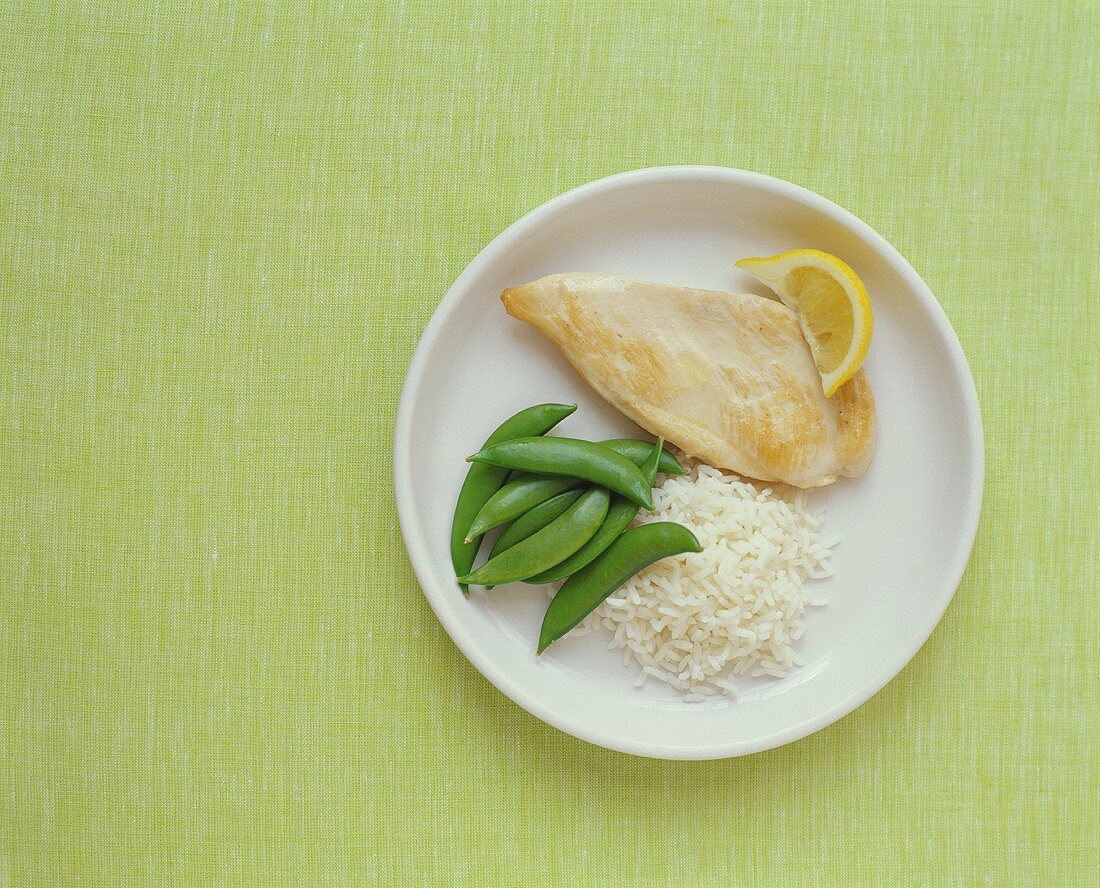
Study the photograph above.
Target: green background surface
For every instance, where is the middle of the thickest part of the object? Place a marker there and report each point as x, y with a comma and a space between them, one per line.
222, 229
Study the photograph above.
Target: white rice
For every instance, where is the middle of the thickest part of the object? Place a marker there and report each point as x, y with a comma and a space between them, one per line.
698, 620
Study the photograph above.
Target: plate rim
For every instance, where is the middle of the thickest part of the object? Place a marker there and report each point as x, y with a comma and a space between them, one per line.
419, 557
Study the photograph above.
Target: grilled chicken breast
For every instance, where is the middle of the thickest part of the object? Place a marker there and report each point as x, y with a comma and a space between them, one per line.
726, 377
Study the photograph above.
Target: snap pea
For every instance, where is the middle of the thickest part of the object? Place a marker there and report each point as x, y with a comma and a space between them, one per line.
619, 515
559, 539
535, 519
574, 458
517, 497
634, 550
482, 481
638, 452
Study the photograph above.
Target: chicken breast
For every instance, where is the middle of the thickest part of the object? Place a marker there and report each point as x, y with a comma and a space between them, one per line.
726, 377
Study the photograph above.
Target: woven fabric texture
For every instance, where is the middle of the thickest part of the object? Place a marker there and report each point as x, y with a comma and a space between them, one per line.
223, 227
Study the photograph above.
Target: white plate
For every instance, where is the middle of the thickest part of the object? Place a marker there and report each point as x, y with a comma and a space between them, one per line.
907, 525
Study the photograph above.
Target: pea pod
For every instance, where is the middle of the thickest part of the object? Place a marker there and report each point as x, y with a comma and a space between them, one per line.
544, 548
517, 497
534, 520
619, 515
482, 481
574, 458
638, 452
634, 550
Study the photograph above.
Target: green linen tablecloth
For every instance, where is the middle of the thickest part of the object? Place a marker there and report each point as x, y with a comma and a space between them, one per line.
222, 229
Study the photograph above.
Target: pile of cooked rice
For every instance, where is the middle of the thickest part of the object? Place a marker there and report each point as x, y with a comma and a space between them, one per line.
697, 620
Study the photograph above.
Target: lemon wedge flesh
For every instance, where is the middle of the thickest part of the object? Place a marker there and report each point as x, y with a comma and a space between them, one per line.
832, 305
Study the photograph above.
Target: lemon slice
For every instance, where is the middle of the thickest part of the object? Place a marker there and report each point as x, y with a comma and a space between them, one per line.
832, 304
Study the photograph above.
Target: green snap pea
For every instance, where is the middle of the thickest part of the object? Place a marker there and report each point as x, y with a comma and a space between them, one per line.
634, 550
638, 452
619, 515
482, 481
517, 497
544, 548
573, 458
534, 520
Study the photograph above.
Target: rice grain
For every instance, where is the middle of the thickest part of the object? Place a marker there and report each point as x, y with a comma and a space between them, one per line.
696, 620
